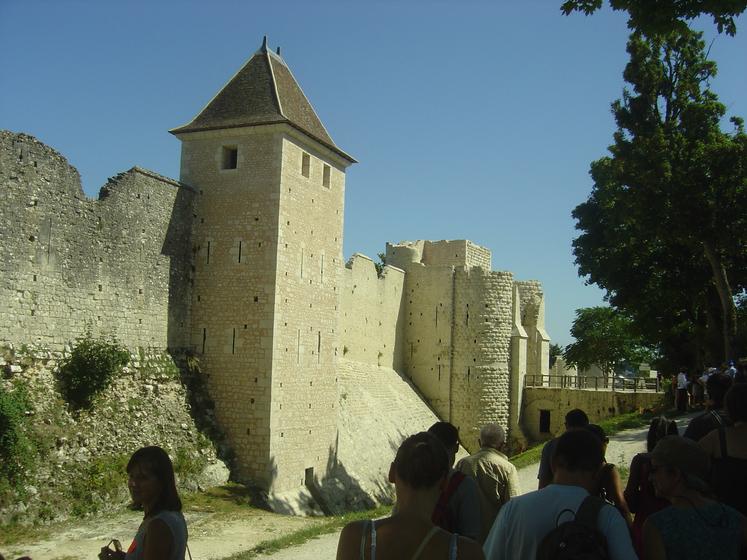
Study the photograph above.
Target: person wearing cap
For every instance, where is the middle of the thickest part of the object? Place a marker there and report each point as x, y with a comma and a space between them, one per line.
694, 527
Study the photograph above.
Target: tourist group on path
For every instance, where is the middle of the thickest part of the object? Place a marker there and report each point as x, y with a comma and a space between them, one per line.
686, 496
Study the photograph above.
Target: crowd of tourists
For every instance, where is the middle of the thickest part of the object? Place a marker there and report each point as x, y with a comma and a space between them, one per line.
685, 498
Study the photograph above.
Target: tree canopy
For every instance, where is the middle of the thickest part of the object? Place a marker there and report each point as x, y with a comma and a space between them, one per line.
664, 230
660, 17
605, 337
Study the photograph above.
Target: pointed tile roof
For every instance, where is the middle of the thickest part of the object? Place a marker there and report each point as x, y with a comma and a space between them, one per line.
263, 91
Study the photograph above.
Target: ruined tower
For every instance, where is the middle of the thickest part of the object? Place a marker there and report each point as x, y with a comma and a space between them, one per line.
267, 243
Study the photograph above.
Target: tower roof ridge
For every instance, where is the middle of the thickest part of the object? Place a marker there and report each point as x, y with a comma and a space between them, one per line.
263, 91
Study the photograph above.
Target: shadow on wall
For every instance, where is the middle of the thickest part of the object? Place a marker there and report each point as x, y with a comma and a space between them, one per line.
178, 247
202, 406
335, 493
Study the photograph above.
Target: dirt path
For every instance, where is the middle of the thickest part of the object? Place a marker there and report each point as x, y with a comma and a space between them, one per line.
214, 536
211, 536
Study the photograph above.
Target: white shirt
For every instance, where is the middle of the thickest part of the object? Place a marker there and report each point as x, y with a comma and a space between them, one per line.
682, 380
525, 520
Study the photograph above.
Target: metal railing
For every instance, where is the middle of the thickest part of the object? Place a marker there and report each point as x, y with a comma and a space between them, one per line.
594, 383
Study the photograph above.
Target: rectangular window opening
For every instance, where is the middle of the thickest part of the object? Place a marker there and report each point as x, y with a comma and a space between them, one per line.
325, 176
233, 342
309, 476
305, 164
204, 339
240, 243
544, 426
318, 346
230, 157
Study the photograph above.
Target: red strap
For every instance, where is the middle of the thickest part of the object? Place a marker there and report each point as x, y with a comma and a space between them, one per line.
443, 500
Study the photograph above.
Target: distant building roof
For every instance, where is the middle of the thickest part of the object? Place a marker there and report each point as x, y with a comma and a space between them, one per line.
263, 91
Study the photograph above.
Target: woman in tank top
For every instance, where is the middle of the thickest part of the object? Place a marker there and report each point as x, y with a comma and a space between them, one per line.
418, 472
163, 533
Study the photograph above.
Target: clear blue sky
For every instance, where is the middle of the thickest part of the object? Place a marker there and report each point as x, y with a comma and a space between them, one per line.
472, 120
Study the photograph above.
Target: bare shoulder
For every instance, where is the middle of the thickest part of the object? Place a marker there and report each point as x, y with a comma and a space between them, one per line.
469, 550
350, 539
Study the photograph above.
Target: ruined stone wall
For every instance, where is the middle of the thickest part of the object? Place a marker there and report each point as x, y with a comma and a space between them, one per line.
76, 452
117, 265
372, 314
233, 303
482, 345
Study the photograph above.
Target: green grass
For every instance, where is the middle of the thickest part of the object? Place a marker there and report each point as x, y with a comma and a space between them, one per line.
529, 457
329, 525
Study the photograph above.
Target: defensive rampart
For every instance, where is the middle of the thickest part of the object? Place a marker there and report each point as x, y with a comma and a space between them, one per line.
119, 264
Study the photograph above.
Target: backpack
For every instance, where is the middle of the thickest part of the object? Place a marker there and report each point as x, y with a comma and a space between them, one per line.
577, 539
441, 517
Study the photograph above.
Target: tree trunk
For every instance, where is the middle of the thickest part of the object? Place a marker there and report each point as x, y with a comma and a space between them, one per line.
728, 307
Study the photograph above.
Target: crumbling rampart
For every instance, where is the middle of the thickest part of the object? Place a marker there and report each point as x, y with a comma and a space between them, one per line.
119, 264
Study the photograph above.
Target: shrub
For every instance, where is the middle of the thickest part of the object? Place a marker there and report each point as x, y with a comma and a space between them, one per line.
17, 451
90, 368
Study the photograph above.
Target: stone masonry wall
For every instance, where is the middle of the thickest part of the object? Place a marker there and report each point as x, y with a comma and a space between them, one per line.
482, 344
233, 304
372, 313
427, 347
597, 404
303, 424
460, 252
378, 409
532, 318
119, 264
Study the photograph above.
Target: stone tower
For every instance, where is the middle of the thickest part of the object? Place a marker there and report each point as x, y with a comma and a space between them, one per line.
267, 244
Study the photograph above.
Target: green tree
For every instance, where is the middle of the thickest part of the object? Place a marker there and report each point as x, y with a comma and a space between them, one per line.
663, 231
657, 17
604, 337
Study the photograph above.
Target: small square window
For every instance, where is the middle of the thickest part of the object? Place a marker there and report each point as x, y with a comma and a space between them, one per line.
325, 176
305, 164
230, 157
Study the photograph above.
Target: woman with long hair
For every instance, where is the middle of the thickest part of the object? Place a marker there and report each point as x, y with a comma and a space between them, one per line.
639, 492
418, 472
608, 484
163, 533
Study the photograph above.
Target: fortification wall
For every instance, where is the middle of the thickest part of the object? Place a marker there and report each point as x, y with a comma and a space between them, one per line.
532, 311
378, 409
597, 404
120, 264
303, 425
428, 304
372, 314
460, 252
482, 345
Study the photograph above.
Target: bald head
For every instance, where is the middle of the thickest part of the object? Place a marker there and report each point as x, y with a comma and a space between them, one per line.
492, 435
